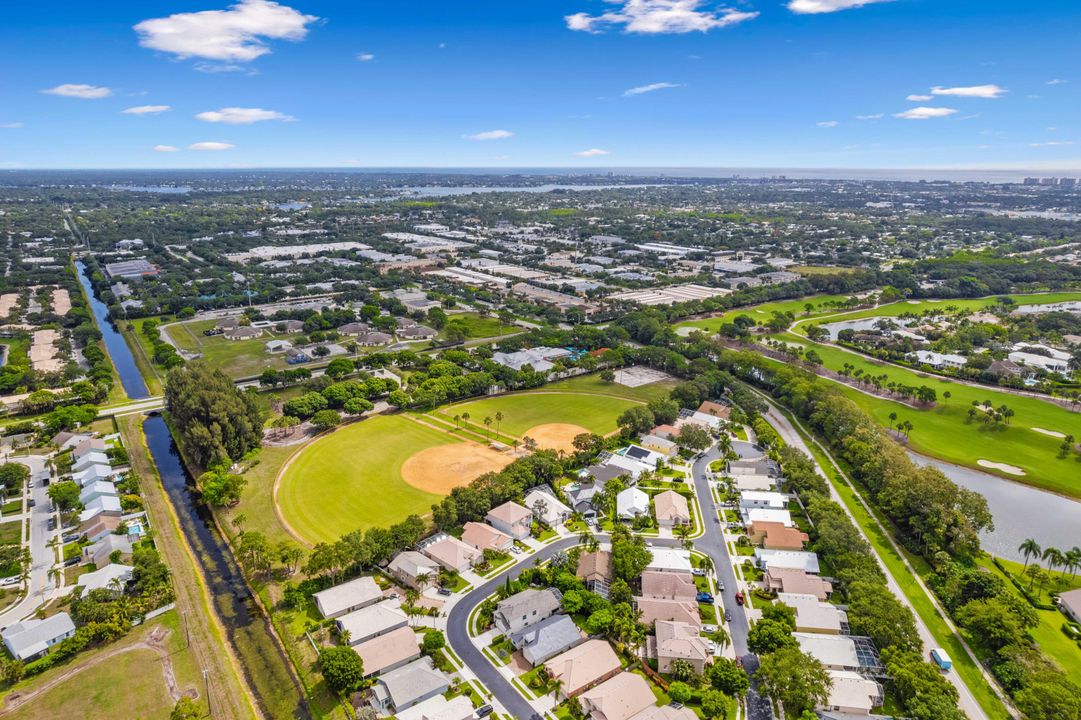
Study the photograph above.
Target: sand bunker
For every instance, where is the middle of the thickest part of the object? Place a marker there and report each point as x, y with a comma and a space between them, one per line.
442, 468
555, 436
1011, 469
1052, 433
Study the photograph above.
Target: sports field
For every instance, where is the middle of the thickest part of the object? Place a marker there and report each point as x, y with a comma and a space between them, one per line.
523, 412
375, 473
798, 307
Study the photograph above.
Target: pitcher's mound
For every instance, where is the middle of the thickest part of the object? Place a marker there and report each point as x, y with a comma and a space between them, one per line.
442, 468
555, 436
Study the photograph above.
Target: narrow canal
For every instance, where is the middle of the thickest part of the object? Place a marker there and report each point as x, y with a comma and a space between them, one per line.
247, 629
124, 362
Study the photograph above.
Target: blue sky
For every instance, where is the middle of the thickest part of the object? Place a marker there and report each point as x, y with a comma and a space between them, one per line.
564, 83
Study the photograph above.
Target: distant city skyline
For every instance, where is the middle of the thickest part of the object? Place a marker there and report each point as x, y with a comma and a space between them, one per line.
575, 84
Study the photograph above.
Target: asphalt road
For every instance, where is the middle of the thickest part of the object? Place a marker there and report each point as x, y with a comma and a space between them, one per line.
712, 543
41, 555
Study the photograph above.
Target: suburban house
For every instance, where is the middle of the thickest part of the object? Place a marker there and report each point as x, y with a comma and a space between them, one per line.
95, 457
373, 339
93, 474
671, 509
526, 608
582, 667
654, 610
840, 652
815, 616
353, 329
413, 569
387, 652
546, 508
757, 499
755, 515
99, 552
787, 580
420, 332
296, 356
660, 445
776, 536
1069, 603
762, 483
643, 455
756, 466
32, 638
680, 641
667, 559
278, 346
851, 695
793, 559
459, 707
452, 553
372, 621
668, 585
99, 505
347, 597
940, 360
715, 409
512, 519
665, 712
107, 578
242, 333
485, 537
631, 503
546, 639
407, 686
67, 440
619, 698
594, 567
98, 488
88, 445
100, 526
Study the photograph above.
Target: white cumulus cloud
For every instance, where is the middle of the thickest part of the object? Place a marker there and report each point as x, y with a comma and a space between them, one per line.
651, 17
166, 148
11, 125
146, 110
490, 135
242, 116
234, 35
592, 152
78, 90
211, 146
875, 116
918, 98
925, 113
366, 57
1052, 143
976, 91
1057, 81
643, 89
816, 7
827, 123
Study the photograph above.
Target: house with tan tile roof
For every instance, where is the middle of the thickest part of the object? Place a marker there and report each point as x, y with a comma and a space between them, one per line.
666, 712
386, 652
485, 537
654, 609
715, 409
620, 698
512, 519
594, 566
582, 667
679, 641
790, 580
452, 554
668, 585
671, 509
776, 535
815, 616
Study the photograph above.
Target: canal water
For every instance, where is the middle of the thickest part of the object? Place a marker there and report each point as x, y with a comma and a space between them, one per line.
246, 627
1020, 511
124, 362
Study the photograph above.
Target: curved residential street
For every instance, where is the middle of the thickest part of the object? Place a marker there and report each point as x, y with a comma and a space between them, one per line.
42, 557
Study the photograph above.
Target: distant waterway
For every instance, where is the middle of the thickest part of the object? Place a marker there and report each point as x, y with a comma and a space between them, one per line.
449, 190
246, 626
119, 352
1020, 511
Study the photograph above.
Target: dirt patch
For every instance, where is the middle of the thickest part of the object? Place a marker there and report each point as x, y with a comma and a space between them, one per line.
1052, 433
555, 436
1009, 469
442, 468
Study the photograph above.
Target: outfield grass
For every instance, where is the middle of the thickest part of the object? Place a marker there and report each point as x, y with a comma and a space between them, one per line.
479, 326
351, 478
593, 385
522, 411
764, 311
944, 431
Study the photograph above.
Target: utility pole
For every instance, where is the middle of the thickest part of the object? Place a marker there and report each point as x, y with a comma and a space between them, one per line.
206, 685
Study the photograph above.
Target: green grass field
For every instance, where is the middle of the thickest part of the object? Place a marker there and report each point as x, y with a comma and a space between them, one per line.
593, 385
522, 411
944, 431
479, 326
764, 311
236, 358
351, 479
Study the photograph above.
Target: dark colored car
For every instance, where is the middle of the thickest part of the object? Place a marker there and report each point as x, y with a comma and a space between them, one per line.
483, 711
32, 502
704, 597
52, 524
445, 591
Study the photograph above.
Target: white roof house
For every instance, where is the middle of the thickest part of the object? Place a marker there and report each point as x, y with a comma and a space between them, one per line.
632, 502
409, 565
1041, 362
408, 685
99, 505
852, 694
94, 457
813, 615
372, 621
666, 559
347, 597
753, 515
839, 652
763, 499
628, 465
792, 559
106, 578
96, 489
439, 708
539, 358
545, 506
746, 483
939, 360
30, 638
92, 474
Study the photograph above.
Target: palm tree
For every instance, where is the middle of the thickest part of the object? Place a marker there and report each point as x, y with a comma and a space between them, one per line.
1054, 558
457, 421
946, 396
488, 425
1029, 548
498, 419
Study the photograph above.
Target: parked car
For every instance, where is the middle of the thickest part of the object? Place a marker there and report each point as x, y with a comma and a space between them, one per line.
51, 524
71, 537
72, 561
709, 629
9, 581
32, 502
720, 586
699, 572
728, 616
445, 591
483, 711
704, 597
739, 598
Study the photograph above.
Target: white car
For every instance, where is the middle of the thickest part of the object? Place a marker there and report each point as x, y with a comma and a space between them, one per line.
699, 572
9, 581
709, 629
